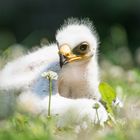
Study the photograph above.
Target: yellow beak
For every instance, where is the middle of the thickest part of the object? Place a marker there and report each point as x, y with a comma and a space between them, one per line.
66, 51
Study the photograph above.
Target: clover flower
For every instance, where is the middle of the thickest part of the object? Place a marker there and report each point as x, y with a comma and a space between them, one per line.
50, 75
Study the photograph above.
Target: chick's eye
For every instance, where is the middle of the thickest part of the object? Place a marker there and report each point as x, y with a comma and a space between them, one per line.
83, 47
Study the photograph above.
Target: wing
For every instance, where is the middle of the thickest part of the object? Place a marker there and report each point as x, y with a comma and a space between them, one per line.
41, 85
25, 73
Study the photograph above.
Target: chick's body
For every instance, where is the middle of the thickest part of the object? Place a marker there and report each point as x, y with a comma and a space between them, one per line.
78, 78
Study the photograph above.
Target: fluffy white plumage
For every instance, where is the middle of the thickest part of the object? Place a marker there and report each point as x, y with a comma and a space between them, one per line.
24, 75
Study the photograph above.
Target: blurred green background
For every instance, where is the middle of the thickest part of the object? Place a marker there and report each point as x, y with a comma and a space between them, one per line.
28, 22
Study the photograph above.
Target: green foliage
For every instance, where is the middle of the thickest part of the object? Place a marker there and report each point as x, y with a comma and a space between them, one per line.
24, 126
108, 95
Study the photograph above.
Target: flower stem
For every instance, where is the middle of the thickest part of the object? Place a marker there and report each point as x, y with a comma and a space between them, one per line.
50, 94
97, 115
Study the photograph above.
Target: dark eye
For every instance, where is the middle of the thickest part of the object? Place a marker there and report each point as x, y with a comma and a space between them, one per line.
83, 47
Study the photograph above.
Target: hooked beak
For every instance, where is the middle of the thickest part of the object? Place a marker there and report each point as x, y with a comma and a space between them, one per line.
66, 55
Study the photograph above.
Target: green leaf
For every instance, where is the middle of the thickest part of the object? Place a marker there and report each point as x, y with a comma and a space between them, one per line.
107, 92
108, 95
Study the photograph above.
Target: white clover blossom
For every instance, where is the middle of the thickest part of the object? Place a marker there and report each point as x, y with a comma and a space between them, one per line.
50, 75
